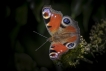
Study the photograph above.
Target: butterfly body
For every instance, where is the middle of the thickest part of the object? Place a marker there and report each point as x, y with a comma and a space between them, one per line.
64, 32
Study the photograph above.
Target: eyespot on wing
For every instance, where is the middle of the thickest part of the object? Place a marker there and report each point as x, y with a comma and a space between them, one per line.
57, 50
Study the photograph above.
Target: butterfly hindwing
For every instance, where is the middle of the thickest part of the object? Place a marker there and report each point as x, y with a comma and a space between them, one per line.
56, 50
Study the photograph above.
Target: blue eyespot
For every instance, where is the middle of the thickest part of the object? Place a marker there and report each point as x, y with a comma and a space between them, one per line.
70, 45
66, 21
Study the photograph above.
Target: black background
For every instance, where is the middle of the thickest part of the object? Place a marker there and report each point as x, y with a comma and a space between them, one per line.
22, 17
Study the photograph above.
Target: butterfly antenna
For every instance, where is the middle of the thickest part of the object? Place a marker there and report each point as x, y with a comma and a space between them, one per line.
40, 34
41, 45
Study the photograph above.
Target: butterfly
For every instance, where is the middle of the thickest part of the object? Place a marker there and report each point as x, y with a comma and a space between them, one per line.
64, 31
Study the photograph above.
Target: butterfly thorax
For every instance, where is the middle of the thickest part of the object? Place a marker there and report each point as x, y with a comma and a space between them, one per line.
57, 37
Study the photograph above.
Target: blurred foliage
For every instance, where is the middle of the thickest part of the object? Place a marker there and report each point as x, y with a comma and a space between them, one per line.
22, 17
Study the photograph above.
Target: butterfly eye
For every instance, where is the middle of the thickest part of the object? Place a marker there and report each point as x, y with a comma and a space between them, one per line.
66, 21
70, 45
46, 13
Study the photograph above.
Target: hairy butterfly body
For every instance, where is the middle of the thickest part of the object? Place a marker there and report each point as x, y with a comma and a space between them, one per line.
64, 31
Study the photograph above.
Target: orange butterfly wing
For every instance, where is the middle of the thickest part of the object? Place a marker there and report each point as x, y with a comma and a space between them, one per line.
56, 50
52, 19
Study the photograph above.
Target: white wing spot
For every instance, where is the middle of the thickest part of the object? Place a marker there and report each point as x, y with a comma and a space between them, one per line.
61, 50
58, 52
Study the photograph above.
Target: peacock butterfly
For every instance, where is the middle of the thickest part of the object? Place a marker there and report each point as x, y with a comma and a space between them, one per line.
64, 31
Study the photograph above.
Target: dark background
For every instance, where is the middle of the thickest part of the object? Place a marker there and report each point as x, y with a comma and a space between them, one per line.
22, 17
